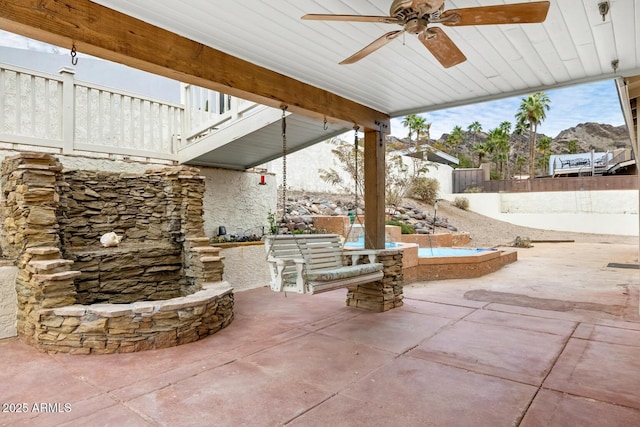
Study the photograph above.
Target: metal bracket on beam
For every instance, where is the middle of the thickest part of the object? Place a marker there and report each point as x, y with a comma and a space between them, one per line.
381, 128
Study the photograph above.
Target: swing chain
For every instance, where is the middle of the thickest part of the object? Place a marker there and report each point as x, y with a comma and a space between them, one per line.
284, 164
355, 153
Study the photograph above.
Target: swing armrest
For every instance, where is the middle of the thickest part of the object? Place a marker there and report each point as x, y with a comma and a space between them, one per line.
277, 269
370, 253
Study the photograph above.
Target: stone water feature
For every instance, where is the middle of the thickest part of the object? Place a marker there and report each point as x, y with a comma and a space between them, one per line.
161, 287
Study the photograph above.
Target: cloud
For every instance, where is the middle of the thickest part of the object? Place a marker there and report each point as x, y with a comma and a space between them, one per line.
19, 42
594, 102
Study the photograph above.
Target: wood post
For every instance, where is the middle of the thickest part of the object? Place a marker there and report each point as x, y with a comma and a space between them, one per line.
374, 185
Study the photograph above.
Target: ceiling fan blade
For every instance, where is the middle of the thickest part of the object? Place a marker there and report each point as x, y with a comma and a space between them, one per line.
353, 18
519, 13
372, 47
442, 47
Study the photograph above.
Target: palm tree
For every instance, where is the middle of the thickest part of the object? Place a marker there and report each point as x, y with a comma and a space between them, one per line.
543, 146
423, 130
414, 123
455, 138
505, 146
572, 146
531, 113
505, 127
492, 145
520, 128
481, 149
474, 128
498, 144
520, 162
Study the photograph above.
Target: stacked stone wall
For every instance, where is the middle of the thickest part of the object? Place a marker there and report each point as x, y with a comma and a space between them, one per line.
163, 280
385, 293
157, 214
161, 206
128, 273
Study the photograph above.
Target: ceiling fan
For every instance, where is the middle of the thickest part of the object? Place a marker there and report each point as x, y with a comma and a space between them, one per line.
416, 15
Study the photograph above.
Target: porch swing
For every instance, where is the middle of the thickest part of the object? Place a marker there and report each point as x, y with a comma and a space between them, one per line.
315, 263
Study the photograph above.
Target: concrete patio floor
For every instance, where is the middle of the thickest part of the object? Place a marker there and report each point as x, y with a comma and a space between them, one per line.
551, 340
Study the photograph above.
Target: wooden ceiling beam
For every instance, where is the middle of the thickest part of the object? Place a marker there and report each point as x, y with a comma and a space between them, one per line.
633, 85
108, 34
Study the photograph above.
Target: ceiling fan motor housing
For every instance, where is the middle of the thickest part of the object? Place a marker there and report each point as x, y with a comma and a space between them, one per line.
404, 8
416, 25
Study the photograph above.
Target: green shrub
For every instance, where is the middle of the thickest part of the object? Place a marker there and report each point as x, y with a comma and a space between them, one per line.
461, 203
473, 190
464, 162
425, 189
404, 227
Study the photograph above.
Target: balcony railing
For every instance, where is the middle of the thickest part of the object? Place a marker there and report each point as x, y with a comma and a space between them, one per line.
60, 114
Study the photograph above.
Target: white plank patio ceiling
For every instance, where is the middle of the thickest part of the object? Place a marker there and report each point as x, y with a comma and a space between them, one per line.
574, 45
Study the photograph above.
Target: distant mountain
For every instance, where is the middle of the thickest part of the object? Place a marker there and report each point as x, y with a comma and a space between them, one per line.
587, 136
596, 136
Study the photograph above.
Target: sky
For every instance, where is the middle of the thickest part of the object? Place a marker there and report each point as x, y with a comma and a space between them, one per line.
8, 39
594, 102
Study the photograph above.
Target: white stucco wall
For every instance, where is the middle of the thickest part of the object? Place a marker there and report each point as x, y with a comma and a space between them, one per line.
444, 175
237, 201
608, 212
8, 301
303, 166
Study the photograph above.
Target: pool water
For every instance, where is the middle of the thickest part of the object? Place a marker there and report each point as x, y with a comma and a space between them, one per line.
426, 252
359, 244
444, 252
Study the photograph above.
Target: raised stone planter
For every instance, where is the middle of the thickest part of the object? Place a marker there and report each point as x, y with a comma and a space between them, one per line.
143, 325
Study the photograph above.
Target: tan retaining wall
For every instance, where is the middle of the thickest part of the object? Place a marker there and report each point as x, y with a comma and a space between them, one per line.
464, 267
438, 240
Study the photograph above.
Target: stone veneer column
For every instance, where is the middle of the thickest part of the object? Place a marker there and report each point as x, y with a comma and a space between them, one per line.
383, 294
30, 237
29, 203
44, 281
202, 263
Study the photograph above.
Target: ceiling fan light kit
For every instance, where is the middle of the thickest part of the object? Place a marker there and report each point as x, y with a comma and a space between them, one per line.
415, 16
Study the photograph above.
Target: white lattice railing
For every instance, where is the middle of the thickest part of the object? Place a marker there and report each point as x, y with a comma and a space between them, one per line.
207, 111
61, 114
31, 107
